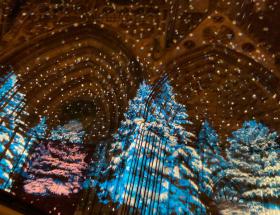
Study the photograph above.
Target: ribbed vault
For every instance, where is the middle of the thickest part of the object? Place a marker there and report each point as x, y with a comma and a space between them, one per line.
84, 59
226, 87
85, 64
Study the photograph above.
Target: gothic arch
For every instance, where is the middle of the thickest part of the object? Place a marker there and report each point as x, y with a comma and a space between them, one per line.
207, 69
105, 70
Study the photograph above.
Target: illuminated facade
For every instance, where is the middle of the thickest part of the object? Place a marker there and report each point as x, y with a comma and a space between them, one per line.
129, 106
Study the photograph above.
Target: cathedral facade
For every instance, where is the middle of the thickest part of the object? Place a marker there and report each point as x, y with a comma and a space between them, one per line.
140, 106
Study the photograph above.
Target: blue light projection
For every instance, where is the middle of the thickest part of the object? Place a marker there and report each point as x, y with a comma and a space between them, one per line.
156, 167
207, 146
254, 165
15, 143
153, 167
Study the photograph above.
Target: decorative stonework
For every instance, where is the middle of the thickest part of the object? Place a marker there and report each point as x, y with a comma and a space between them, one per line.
104, 46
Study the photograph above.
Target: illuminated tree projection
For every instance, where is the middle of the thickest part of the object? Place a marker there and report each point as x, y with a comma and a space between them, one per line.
57, 165
15, 142
97, 165
254, 164
71, 132
183, 164
154, 168
211, 156
124, 146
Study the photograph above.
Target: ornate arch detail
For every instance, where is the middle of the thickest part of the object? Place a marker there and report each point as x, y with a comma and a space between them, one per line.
225, 86
92, 60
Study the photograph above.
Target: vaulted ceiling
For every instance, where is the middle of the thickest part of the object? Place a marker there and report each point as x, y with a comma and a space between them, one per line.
86, 58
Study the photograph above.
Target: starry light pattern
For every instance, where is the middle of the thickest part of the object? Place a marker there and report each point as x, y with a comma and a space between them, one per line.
84, 60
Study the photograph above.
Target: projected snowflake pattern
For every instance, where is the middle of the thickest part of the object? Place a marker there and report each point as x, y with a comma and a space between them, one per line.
85, 62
